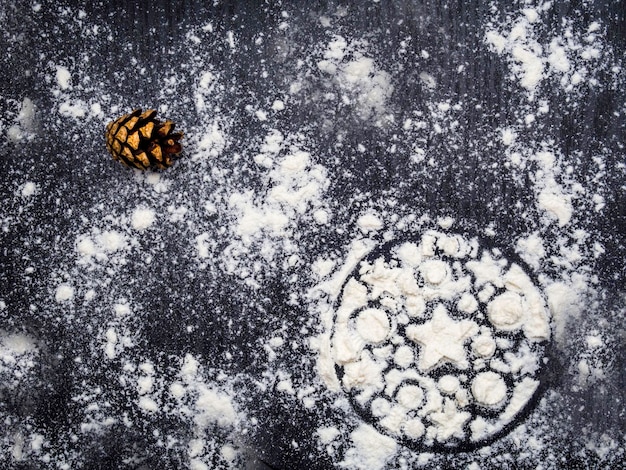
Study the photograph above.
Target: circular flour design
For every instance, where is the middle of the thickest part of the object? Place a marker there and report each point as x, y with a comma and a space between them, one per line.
439, 342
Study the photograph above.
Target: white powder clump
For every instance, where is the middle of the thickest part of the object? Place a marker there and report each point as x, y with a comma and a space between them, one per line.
28, 189
17, 358
73, 108
142, 218
214, 407
370, 450
296, 185
148, 404
506, 311
63, 77
25, 126
111, 342
531, 249
594, 341
229, 453
564, 303
278, 105
556, 204
102, 246
373, 325
203, 245
111, 240
328, 434
13, 344
531, 66
64, 292
369, 223
489, 388
263, 221
121, 309
508, 137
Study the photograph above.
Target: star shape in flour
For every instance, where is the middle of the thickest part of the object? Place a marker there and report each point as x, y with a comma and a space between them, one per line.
449, 421
441, 339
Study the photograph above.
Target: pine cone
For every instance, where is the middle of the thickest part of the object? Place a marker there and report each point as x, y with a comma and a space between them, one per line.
140, 141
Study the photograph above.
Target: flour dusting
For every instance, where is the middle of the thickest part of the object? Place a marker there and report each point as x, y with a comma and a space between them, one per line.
394, 238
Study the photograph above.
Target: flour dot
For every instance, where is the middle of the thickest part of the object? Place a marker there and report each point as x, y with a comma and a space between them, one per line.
142, 218
369, 223
373, 325
321, 216
415, 306
64, 78
380, 407
148, 404
484, 346
413, 428
467, 303
450, 245
28, 189
64, 292
489, 388
505, 311
448, 384
278, 105
229, 453
121, 309
177, 390
404, 356
85, 246
112, 240
434, 271
410, 396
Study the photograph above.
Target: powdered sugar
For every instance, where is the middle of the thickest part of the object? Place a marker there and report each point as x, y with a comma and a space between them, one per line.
375, 251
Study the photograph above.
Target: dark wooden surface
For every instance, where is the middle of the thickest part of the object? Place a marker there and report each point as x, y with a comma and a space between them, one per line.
75, 173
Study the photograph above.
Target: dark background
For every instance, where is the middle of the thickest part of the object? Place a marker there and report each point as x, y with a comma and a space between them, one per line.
75, 175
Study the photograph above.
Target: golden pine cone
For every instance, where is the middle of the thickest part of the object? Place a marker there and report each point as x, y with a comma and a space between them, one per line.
140, 141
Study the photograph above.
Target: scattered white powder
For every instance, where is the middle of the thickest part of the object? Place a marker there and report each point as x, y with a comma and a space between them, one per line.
362, 82
534, 57
532, 250
211, 143
435, 342
76, 109
564, 304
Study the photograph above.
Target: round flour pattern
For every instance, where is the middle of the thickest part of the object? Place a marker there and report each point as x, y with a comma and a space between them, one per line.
439, 342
